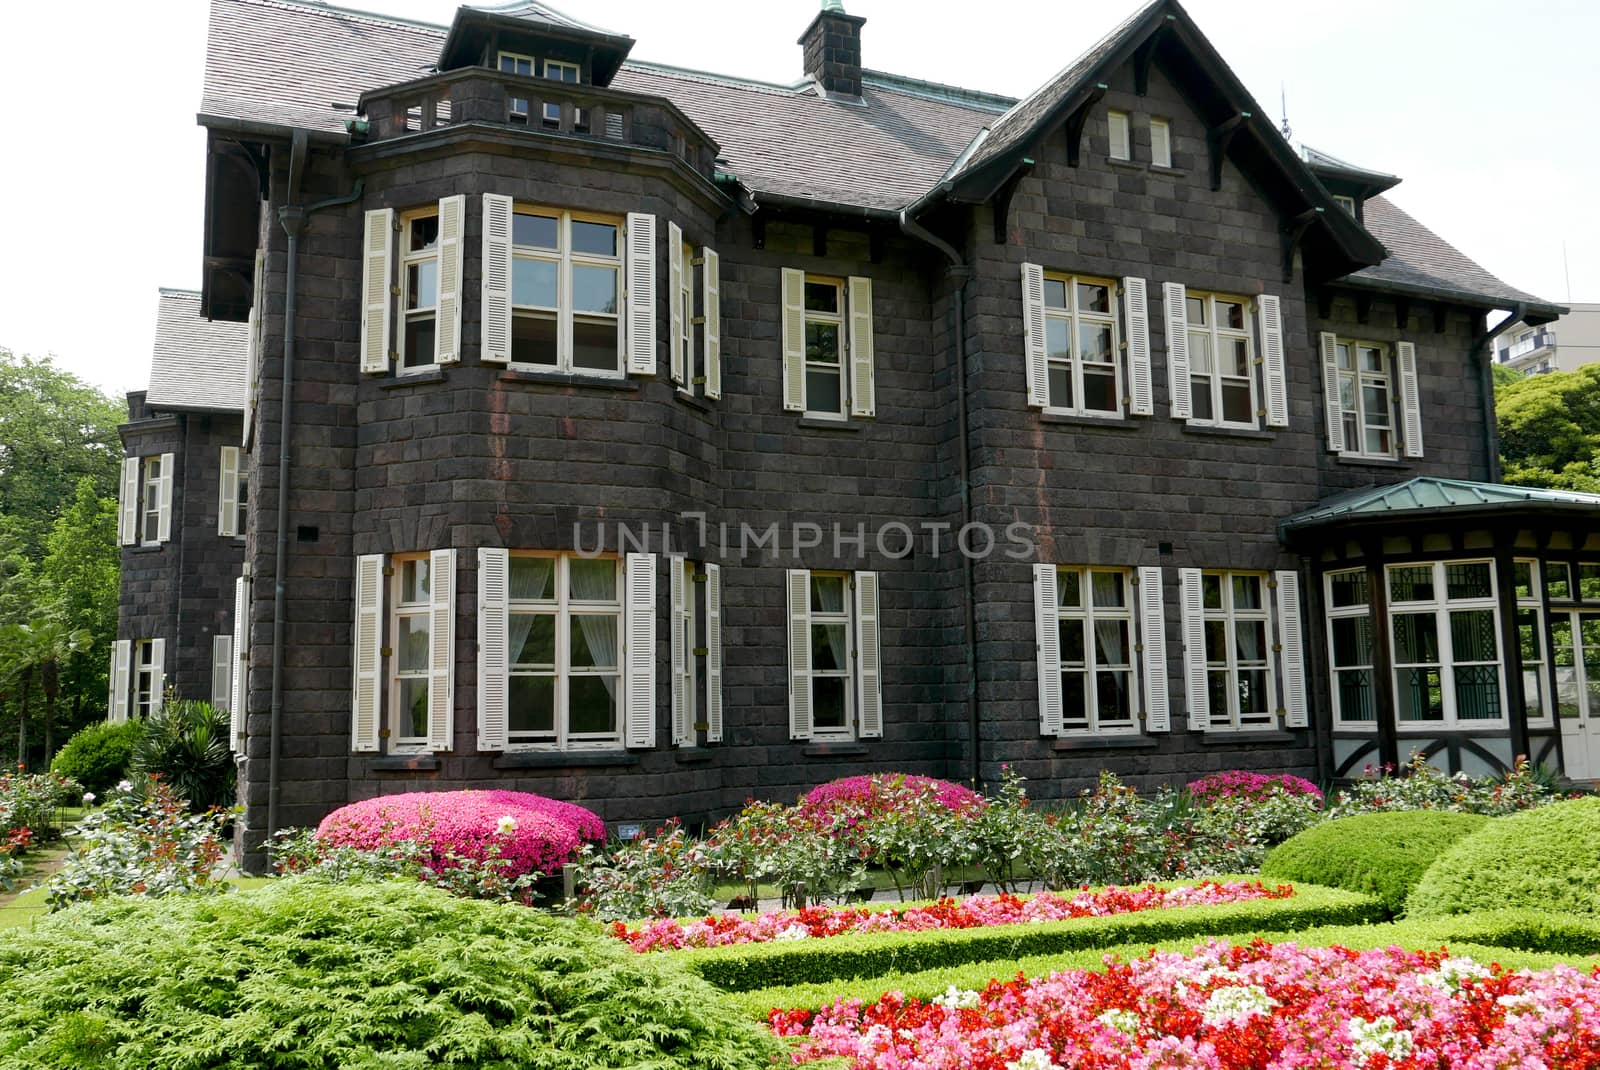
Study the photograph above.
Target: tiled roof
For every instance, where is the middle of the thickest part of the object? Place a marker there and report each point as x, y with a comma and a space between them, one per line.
537, 13
1426, 495
198, 363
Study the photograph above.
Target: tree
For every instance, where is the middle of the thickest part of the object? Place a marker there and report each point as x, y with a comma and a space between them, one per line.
1504, 376
79, 580
34, 653
1550, 430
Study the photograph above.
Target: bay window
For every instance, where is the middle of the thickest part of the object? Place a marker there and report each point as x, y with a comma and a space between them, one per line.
566, 285
419, 288
564, 616
411, 627
1444, 642
1350, 648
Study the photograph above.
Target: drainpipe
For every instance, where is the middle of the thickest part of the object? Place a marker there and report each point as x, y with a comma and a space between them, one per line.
292, 216
959, 271
1482, 353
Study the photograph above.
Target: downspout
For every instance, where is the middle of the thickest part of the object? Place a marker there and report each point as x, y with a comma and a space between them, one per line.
292, 216
959, 271
1482, 348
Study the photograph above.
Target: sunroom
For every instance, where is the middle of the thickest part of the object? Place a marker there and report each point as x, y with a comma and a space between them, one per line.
1458, 619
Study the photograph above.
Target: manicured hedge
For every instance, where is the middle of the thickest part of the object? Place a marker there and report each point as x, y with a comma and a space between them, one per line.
1543, 859
743, 967
1383, 854
316, 975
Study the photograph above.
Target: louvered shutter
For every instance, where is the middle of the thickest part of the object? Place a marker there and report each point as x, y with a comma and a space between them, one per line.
442, 660
1292, 680
1176, 299
1136, 311
675, 304
494, 655
863, 372
367, 656
1034, 348
128, 515
496, 310
1153, 638
1270, 317
640, 691
221, 674
376, 278
869, 657
799, 602
1047, 640
642, 297
1410, 396
1194, 650
794, 341
447, 319
240, 669
121, 670
678, 595
258, 334
713, 654
158, 675
1332, 406
711, 338
164, 519
228, 492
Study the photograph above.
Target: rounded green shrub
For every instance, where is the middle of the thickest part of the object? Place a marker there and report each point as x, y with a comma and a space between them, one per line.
1381, 854
1544, 859
317, 975
99, 755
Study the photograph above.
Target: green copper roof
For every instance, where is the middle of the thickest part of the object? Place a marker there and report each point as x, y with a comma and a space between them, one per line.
1426, 496
833, 5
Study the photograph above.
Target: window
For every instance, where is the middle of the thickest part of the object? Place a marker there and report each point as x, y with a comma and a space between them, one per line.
1095, 625
1530, 639
156, 480
685, 317
683, 645
1085, 375
512, 63
556, 71
824, 367
1367, 398
834, 662
1221, 360
1347, 203
565, 291
1239, 670
419, 274
565, 635
1445, 644
413, 651
239, 527
1120, 147
232, 492
1350, 649
147, 677
832, 705
1160, 143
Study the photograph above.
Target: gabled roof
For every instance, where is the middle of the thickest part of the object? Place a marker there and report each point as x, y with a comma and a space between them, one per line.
1426, 496
197, 363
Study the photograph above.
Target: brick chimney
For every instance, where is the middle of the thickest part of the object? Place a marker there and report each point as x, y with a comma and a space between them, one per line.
832, 45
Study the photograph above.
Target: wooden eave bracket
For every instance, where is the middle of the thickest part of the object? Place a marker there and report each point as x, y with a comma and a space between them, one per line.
1002, 199
1217, 139
1293, 232
1076, 121
1144, 54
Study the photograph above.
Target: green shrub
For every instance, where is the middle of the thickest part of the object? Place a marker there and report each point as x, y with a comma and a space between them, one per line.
311, 975
1381, 854
186, 744
98, 756
1544, 859
741, 967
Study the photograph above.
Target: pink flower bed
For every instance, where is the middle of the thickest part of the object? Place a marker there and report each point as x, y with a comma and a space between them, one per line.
882, 791
540, 835
1224, 1007
668, 935
1242, 782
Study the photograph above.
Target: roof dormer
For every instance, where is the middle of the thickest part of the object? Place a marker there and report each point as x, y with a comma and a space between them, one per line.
1349, 184
553, 44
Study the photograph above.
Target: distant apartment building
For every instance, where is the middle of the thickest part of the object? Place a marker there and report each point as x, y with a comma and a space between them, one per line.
1563, 345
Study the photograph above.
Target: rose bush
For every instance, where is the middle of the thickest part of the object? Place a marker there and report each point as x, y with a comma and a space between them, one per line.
28, 805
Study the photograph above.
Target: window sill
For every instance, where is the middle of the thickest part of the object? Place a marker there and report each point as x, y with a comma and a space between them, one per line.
1255, 433
1067, 744
564, 759
694, 755
1116, 423
1171, 172
841, 749
813, 423
517, 375
1125, 165
156, 548
1357, 461
692, 400
424, 378
1215, 738
404, 763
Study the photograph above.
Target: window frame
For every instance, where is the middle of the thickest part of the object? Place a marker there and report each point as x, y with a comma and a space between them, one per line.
1076, 318
143, 675
691, 707
1213, 333
1441, 606
1355, 611
1162, 158
849, 674
150, 503
566, 260
1536, 669
1113, 115
1345, 201
1087, 615
1230, 616
242, 491
399, 741
686, 298
1359, 379
839, 319
517, 107
407, 259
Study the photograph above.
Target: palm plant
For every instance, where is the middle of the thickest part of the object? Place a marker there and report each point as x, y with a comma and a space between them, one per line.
34, 652
186, 744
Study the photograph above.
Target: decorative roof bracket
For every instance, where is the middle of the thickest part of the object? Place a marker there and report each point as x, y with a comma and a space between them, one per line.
1217, 139
1079, 116
1002, 200
1293, 232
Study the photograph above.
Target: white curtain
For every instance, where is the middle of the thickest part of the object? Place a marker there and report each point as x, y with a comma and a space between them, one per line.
599, 630
530, 578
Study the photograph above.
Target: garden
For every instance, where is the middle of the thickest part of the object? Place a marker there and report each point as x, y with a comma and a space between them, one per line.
1244, 920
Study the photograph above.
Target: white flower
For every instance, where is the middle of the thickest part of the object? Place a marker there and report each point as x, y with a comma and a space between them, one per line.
793, 932
1236, 1004
1452, 973
1032, 1059
125, 786
506, 825
1124, 1022
957, 998
1518, 1003
88, 798
1379, 1035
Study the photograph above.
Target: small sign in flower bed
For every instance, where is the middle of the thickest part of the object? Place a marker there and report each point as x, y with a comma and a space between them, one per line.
974, 912
1227, 1008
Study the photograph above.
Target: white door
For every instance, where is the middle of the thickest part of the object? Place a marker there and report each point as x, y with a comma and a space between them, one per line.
1576, 645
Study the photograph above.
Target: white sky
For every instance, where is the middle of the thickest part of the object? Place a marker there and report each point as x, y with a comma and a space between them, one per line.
1485, 107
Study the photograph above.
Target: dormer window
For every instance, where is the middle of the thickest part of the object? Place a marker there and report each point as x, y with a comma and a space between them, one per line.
1347, 203
512, 63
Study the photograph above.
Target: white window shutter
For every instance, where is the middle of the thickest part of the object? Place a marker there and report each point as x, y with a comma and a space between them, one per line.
640, 690
799, 601
496, 310
228, 492
158, 675
682, 731
869, 658
642, 297
675, 303
368, 653
128, 516
164, 520
1047, 639
863, 372
1292, 680
447, 320
1332, 407
442, 658
494, 655
713, 654
1033, 336
794, 343
1153, 638
239, 681
377, 274
711, 337
1270, 317
221, 672
1410, 396
121, 673
258, 332
1176, 299
1136, 311
1194, 650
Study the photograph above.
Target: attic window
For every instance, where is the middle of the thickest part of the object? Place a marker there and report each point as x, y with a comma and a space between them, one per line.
1347, 203
513, 63
1120, 148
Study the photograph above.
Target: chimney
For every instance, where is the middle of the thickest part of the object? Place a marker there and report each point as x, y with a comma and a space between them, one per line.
832, 45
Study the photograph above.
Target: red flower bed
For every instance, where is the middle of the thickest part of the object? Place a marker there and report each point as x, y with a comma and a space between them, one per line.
882, 792
1234, 783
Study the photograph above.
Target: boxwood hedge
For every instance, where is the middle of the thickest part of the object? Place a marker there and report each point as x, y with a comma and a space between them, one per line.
1542, 859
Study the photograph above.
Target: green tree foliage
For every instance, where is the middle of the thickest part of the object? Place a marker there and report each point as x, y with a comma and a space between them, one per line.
1504, 376
1550, 430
